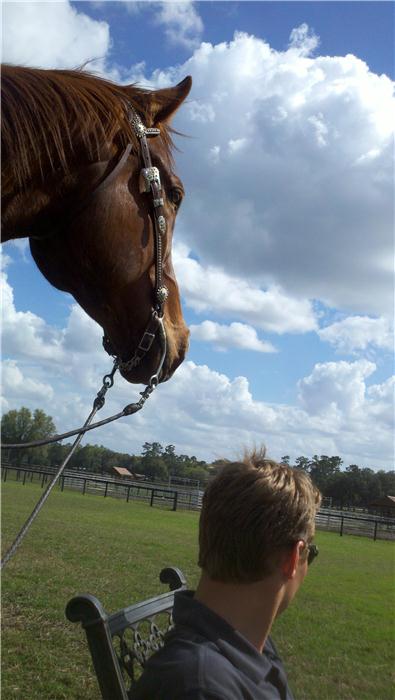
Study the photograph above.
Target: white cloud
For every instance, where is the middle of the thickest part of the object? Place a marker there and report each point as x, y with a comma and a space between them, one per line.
72, 352
209, 288
335, 386
289, 170
201, 411
20, 387
51, 35
357, 333
236, 335
303, 40
206, 413
182, 23
26, 334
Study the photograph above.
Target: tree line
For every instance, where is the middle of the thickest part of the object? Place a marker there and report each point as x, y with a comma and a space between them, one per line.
351, 485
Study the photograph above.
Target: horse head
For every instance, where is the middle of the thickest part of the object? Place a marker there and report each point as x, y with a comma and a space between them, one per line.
91, 224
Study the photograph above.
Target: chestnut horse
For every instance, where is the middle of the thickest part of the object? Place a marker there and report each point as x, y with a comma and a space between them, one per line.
71, 164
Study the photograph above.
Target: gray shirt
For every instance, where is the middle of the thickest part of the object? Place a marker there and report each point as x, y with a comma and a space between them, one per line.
204, 658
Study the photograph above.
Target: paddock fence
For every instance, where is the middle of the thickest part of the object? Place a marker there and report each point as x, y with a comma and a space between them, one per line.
347, 524
96, 485
330, 519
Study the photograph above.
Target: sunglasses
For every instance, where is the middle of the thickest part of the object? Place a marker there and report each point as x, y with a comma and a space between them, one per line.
313, 552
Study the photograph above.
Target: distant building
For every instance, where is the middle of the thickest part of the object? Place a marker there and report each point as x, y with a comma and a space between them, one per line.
123, 472
384, 506
126, 474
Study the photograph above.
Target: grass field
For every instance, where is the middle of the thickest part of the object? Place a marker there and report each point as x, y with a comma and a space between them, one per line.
337, 640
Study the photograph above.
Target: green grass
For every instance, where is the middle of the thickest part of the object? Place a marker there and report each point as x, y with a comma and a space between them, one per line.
336, 639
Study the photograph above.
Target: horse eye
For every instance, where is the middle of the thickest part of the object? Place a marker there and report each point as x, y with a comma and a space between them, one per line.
176, 196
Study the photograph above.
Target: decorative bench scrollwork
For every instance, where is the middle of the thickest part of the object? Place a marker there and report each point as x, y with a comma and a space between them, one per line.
121, 643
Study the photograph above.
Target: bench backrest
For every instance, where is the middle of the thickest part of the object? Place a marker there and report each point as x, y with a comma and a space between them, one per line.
122, 642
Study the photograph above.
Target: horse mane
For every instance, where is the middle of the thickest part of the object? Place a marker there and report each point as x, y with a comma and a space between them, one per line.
50, 117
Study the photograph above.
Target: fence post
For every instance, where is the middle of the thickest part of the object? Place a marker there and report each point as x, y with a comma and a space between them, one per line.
175, 500
24, 478
341, 527
62, 484
42, 480
5, 474
84, 489
375, 530
105, 492
152, 497
127, 497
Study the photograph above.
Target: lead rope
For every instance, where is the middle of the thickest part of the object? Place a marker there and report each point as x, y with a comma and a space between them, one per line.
98, 403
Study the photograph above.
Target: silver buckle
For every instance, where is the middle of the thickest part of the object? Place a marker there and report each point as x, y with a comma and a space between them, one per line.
149, 339
150, 175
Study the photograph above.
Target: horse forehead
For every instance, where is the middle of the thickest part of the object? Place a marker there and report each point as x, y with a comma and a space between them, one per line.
160, 154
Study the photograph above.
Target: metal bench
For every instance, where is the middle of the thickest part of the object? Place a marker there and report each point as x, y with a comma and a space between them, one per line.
121, 643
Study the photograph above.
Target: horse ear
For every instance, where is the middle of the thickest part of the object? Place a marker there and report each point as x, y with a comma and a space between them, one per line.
164, 103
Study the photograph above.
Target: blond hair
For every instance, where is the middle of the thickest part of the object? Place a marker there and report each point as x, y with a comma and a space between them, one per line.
252, 511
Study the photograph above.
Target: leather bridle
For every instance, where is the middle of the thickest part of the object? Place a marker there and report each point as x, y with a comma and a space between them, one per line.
149, 183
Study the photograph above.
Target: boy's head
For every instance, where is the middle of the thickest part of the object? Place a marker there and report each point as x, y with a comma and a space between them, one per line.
253, 511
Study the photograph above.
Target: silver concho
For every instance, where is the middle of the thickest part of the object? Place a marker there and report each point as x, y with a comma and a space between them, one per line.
162, 224
162, 294
138, 126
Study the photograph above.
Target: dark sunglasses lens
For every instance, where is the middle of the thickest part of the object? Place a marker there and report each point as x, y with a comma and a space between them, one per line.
313, 551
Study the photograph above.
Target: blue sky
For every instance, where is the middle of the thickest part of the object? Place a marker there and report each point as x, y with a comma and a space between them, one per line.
362, 28
287, 285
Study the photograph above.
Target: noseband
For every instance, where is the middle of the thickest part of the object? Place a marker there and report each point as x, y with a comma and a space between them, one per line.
149, 183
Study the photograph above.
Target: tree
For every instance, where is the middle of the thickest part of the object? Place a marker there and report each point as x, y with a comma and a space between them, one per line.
21, 426
323, 469
57, 453
285, 460
154, 467
302, 463
152, 449
169, 455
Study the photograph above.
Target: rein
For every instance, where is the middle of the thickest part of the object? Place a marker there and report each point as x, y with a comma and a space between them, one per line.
150, 183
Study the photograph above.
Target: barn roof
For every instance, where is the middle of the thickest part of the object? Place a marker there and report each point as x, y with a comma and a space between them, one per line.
122, 471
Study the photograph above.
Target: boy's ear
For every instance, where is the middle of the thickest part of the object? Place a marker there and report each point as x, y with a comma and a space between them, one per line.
164, 103
290, 562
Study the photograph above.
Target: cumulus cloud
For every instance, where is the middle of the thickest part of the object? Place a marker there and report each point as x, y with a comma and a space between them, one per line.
20, 387
24, 333
236, 335
72, 351
357, 333
182, 23
202, 411
338, 386
210, 288
289, 172
51, 35
303, 40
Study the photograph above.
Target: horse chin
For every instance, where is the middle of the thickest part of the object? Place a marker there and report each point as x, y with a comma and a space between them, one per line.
143, 373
